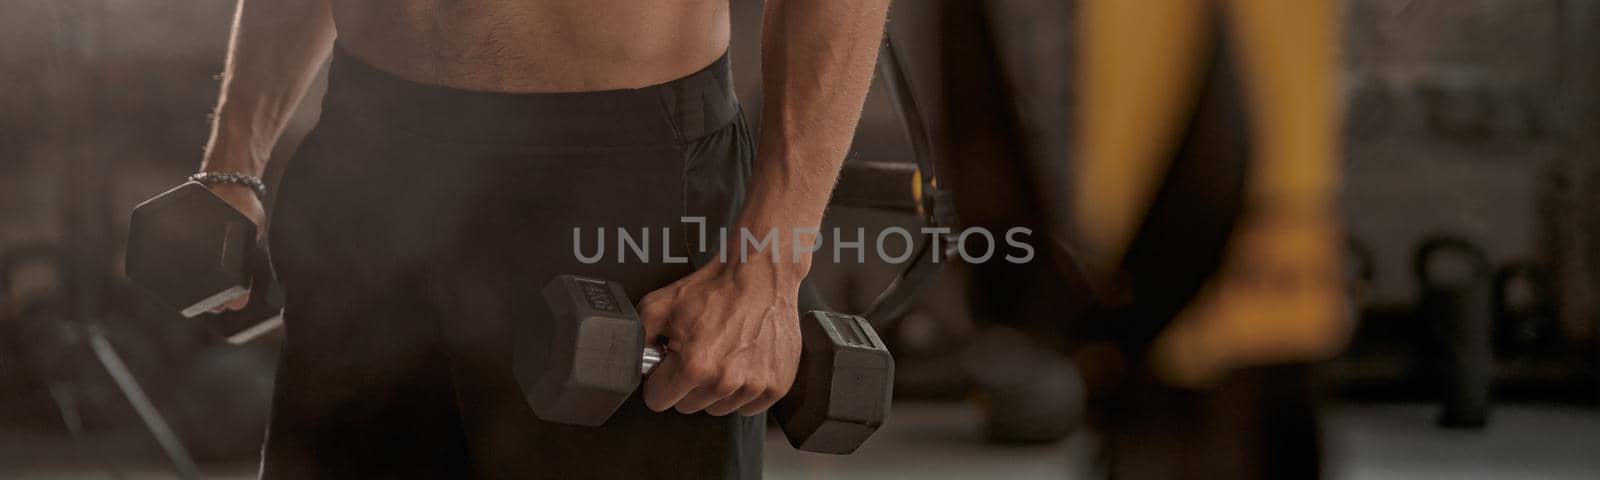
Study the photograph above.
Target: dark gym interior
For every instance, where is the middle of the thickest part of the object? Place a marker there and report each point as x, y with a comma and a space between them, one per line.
1467, 154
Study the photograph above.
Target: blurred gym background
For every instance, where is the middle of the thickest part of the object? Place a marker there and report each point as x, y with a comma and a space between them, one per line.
1470, 184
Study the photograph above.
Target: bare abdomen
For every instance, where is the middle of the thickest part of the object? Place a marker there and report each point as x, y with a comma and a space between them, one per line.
535, 45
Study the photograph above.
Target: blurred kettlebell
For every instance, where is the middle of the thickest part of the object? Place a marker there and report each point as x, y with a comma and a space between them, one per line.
1031, 394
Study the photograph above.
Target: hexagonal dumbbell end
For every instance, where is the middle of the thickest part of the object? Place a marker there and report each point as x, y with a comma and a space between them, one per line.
580, 363
189, 249
841, 391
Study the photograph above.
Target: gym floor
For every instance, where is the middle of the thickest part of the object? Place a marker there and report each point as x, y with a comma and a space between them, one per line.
941, 441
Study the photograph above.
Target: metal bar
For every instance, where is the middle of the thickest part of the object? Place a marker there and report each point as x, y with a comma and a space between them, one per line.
170, 444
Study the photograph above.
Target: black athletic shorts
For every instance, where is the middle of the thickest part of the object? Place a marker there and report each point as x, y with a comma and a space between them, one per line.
415, 228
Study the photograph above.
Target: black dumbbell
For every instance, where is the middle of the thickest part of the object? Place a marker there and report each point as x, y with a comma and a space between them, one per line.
193, 252
583, 363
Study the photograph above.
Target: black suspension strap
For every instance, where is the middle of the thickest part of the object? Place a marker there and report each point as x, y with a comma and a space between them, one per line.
933, 204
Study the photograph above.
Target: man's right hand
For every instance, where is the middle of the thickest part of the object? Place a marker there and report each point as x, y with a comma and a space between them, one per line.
243, 199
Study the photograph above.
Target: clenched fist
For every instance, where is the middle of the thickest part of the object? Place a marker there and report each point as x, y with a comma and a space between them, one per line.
732, 336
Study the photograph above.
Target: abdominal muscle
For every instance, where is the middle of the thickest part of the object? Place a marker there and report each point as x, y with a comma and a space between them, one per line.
535, 45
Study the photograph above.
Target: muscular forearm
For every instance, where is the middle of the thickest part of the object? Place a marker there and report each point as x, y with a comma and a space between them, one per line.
817, 59
276, 48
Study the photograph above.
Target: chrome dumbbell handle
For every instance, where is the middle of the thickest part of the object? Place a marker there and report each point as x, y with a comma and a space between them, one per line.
652, 357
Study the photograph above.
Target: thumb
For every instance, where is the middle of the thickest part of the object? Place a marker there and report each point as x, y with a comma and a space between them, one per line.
238, 303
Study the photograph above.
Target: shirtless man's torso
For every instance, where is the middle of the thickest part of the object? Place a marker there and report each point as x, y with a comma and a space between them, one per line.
461, 143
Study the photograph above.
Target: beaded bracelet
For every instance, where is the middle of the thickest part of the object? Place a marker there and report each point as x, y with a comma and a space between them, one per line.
213, 178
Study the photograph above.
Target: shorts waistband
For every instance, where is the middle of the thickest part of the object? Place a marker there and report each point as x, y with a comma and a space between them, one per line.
668, 113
